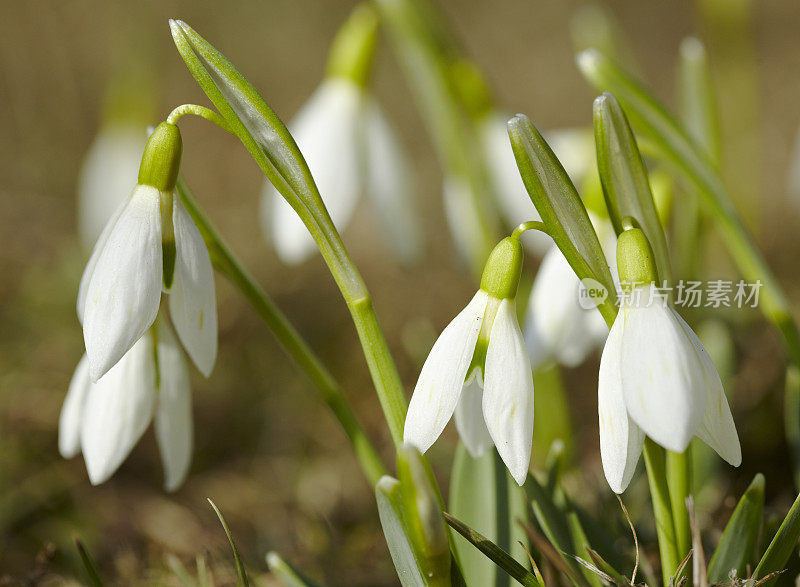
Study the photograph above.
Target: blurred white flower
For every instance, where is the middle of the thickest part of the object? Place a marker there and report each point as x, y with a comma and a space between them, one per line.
350, 148
556, 326
656, 379
105, 177
105, 420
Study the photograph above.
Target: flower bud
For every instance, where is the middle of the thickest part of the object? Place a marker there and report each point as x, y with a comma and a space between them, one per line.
503, 268
635, 260
161, 159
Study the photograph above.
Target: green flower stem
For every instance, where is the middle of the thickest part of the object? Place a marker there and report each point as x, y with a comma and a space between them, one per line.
529, 225
679, 482
202, 112
291, 341
662, 510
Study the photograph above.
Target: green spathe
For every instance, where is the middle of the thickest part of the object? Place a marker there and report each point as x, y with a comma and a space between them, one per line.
503, 268
161, 160
635, 259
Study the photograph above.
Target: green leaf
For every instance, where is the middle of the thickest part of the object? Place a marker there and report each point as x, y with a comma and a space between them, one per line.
388, 493
88, 564
560, 207
600, 563
243, 580
781, 547
791, 417
624, 177
499, 556
736, 547
288, 575
581, 547
553, 522
484, 496
696, 97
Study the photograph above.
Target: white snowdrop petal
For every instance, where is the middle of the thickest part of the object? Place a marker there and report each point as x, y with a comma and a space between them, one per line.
174, 426
88, 271
389, 185
662, 378
718, 429
124, 292
192, 299
515, 204
326, 131
69, 421
469, 417
117, 411
621, 440
109, 169
508, 392
439, 385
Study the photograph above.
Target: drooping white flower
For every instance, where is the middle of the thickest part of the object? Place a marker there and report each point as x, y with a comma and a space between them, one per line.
656, 379
105, 420
557, 326
149, 245
350, 148
573, 147
479, 369
104, 181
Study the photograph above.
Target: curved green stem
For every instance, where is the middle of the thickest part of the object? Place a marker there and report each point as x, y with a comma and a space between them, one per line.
529, 225
202, 112
291, 340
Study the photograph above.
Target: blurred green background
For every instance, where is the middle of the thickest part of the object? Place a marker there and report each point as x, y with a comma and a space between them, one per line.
267, 451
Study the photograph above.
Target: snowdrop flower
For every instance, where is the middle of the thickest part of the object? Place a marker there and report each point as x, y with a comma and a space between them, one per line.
656, 379
104, 180
573, 147
105, 419
350, 148
557, 326
149, 245
479, 369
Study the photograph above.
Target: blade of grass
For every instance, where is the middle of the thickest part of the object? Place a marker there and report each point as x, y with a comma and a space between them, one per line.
88, 564
243, 580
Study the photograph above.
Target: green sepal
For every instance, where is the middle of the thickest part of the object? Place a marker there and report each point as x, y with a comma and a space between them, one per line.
635, 260
560, 207
624, 177
736, 547
501, 273
161, 160
353, 46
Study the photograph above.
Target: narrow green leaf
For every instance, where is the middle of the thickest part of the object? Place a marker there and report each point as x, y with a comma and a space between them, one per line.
499, 556
599, 561
736, 547
484, 496
560, 207
781, 547
624, 177
696, 97
289, 576
179, 570
88, 564
791, 417
581, 546
553, 522
243, 580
